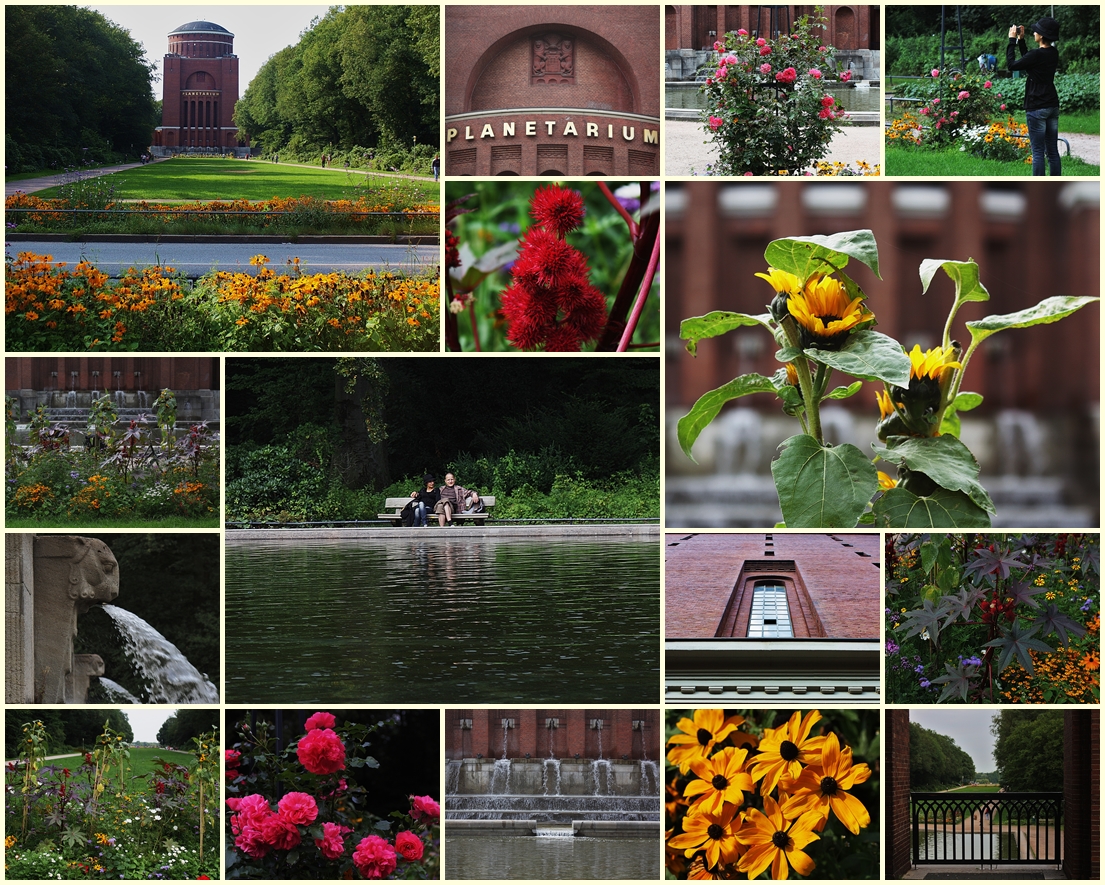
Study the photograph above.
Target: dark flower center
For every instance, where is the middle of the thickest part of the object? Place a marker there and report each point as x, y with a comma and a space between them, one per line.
704, 736
829, 318
780, 840
715, 832
788, 750
719, 782
828, 786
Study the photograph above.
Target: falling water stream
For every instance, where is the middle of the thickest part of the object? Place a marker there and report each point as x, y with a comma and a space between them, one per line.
168, 676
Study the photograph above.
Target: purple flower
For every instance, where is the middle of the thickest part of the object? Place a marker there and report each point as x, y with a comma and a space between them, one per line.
920, 668
925, 683
1087, 605
891, 647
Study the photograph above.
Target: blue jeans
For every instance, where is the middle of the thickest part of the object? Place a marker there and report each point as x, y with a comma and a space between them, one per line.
1043, 137
419, 510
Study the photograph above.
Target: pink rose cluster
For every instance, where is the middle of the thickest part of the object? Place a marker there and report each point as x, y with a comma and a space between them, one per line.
765, 68
425, 809
816, 74
258, 829
827, 111
715, 123
719, 46
845, 77
232, 758
321, 751
765, 50
374, 857
787, 77
964, 94
319, 720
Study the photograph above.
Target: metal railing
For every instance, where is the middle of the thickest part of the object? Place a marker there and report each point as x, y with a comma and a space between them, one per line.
987, 828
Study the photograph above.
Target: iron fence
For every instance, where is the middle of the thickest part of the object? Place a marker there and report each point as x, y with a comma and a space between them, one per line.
987, 828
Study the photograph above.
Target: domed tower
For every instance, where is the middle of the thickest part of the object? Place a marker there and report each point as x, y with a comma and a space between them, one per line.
200, 88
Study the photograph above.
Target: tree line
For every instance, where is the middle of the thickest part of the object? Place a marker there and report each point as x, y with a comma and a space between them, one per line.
936, 762
78, 89
359, 77
68, 729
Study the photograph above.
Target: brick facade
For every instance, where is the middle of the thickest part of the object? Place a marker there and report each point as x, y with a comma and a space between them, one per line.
689, 27
1082, 794
896, 791
199, 91
632, 733
542, 90
832, 581
99, 373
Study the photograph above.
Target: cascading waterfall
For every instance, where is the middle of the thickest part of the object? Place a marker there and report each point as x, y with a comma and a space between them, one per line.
650, 777
116, 693
452, 776
168, 676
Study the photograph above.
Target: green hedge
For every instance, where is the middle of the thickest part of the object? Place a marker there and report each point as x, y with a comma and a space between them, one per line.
1077, 92
916, 56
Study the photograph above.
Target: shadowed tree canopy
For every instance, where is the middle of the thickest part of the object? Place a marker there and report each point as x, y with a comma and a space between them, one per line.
186, 723
77, 86
936, 761
1029, 749
75, 728
599, 417
359, 76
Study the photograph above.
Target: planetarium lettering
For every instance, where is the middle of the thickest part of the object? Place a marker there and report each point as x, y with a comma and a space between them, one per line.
530, 128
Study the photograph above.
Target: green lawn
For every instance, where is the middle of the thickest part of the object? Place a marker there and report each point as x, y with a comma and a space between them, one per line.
981, 788
140, 762
187, 179
952, 162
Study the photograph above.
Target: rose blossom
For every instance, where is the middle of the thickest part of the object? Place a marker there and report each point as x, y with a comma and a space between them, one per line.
742, 32
319, 720
721, 72
964, 94
321, 751
986, 85
1003, 107
280, 832
765, 68
715, 123
846, 76
250, 811
374, 857
787, 76
822, 48
425, 808
250, 841
955, 113
760, 41
827, 101
748, 174
408, 845
298, 808
936, 101
825, 114
331, 844
935, 73
718, 46
765, 50
924, 112
730, 60
816, 74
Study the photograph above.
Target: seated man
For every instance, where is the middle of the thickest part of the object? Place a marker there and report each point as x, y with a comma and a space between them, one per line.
455, 499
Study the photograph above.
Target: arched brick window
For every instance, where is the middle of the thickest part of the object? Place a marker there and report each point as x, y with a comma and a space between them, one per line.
770, 616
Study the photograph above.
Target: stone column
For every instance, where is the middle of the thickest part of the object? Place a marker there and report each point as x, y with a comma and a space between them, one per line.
19, 621
71, 573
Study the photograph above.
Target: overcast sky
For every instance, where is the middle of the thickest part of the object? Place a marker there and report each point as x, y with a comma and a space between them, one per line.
260, 30
145, 722
970, 729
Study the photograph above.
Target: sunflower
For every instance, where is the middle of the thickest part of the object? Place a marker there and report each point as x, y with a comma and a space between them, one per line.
930, 374
823, 788
784, 750
709, 727
785, 285
886, 481
773, 842
933, 363
721, 779
825, 314
714, 833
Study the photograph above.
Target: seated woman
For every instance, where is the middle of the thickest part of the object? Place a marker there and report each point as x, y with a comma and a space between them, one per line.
424, 501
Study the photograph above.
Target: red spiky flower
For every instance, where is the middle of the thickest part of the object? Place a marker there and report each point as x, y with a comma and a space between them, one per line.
551, 301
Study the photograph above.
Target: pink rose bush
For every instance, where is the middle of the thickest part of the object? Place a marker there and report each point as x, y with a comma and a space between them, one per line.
762, 118
293, 816
976, 105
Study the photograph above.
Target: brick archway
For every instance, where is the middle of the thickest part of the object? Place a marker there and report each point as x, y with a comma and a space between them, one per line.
1081, 794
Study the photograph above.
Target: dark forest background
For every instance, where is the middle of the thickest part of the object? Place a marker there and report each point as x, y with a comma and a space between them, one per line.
329, 439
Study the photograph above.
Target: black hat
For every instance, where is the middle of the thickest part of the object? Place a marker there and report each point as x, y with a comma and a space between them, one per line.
1048, 28
429, 477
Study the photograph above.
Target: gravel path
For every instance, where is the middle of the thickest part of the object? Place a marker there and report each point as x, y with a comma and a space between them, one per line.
686, 154
1085, 147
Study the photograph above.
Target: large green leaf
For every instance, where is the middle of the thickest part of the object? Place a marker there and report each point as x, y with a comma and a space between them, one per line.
844, 392
943, 459
869, 355
822, 486
715, 323
709, 404
964, 274
944, 509
1049, 310
805, 256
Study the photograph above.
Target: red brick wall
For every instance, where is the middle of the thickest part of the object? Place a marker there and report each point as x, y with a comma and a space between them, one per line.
896, 766
177, 373
841, 586
531, 734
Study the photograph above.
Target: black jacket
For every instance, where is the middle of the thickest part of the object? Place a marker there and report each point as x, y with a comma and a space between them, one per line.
1039, 67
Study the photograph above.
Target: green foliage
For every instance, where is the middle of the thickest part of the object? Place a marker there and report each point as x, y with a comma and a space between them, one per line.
359, 75
79, 89
184, 725
951, 161
1029, 750
936, 761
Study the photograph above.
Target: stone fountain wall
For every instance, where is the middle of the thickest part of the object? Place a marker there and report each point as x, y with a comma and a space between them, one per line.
554, 733
49, 580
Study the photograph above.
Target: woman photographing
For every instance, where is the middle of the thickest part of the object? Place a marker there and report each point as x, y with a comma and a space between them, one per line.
1041, 101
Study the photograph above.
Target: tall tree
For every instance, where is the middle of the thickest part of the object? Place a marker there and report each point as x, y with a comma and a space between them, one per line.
1029, 749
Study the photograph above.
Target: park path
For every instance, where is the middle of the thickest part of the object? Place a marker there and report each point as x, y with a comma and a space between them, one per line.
30, 185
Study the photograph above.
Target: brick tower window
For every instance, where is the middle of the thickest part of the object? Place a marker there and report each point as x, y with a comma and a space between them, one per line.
770, 612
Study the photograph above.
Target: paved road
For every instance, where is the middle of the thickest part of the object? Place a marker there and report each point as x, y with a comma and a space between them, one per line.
196, 259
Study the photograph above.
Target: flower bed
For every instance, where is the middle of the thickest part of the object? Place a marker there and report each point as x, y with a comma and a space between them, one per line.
30, 213
50, 307
95, 821
121, 472
993, 619
299, 813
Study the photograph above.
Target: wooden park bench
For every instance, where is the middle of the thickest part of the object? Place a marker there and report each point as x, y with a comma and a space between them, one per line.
395, 507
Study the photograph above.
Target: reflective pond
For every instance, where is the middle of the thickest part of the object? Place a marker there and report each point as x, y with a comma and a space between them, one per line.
532, 857
938, 845
445, 619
